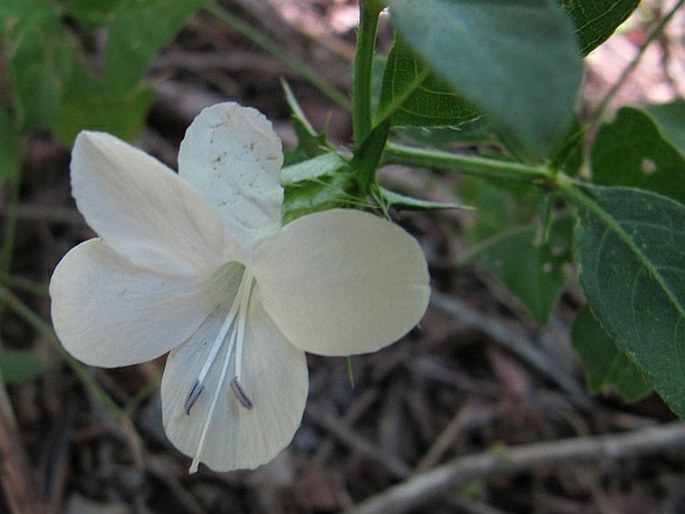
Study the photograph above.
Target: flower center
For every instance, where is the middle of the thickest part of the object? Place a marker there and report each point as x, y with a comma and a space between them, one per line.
232, 332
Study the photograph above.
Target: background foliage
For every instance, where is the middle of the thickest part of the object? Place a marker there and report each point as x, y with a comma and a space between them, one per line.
486, 90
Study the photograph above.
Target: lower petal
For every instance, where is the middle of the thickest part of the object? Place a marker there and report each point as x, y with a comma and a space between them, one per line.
342, 282
274, 377
108, 312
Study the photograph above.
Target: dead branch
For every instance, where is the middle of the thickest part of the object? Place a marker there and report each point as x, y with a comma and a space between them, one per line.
426, 486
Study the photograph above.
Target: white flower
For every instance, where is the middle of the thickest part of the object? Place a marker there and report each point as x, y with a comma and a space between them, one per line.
198, 264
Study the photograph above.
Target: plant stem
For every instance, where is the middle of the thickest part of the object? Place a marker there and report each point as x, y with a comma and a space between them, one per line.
412, 494
23, 311
480, 166
267, 44
363, 64
23, 284
142, 394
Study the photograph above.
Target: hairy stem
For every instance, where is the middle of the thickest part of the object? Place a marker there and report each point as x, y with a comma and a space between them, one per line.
363, 63
469, 165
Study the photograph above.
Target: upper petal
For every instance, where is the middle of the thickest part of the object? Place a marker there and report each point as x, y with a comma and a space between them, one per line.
142, 209
233, 156
108, 312
274, 375
342, 282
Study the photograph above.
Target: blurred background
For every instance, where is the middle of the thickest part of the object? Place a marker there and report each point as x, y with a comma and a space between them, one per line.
478, 374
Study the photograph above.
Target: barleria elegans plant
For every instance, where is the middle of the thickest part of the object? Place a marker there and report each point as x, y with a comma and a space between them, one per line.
199, 264
507, 75
237, 250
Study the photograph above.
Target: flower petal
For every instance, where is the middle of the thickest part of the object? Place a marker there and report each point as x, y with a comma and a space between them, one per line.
342, 282
232, 155
142, 209
108, 312
274, 375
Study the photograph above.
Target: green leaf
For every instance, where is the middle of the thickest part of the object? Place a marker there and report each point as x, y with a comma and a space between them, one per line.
569, 154
88, 103
91, 13
40, 57
316, 195
415, 97
10, 147
500, 205
316, 167
596, 20
400, 201
534, 270
517, 61
631, 151
20, 365
605, 367
367, 157
671, 119
473, 132
317, 184
139, 30
630, 250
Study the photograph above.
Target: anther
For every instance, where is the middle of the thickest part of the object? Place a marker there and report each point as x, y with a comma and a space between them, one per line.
240, 393
194, 394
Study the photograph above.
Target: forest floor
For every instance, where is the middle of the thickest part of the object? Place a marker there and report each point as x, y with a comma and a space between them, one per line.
477, 410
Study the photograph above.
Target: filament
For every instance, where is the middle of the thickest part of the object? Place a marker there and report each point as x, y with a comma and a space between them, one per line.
219, 387
242, 296
233, 327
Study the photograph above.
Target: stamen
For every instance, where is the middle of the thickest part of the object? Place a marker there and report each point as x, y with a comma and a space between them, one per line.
194, 393
235, 340
219, 387
240, 393
193, 396
242, 321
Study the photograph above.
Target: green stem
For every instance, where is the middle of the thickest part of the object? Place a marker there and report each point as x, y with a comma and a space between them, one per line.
653, 35
142, 394
23, 311
23, 284
468, 165
363, 64
267, 44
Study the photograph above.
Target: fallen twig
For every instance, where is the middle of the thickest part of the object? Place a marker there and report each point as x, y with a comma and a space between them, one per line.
518, 345
352, 439
424, 487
